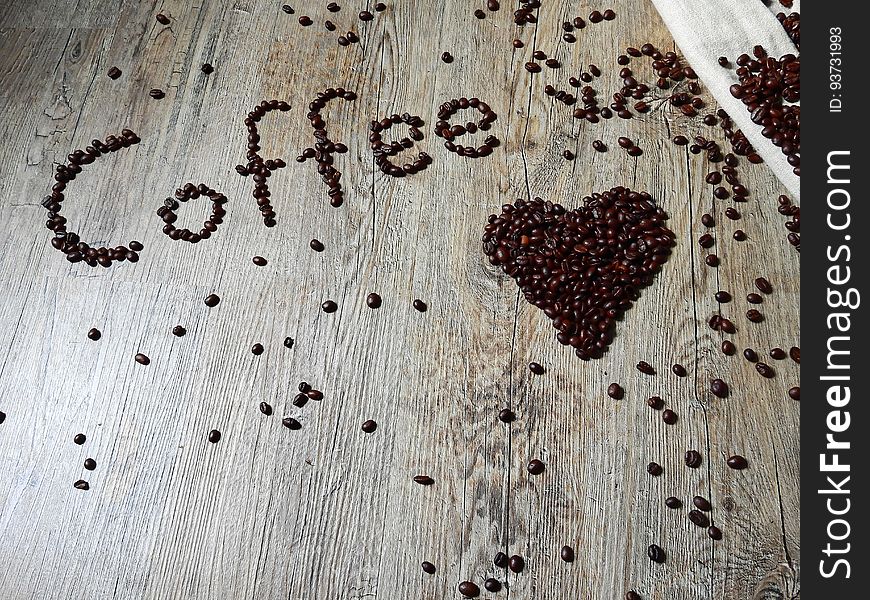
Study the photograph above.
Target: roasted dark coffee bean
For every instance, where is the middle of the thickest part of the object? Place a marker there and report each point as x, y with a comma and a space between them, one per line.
516, 563
304, 387
90, 464
794, 393
365, 16
423, 480
750, 355
795, 354
567, 554
492, 585
595, 17
714, 532
142, 359
699, 518
369, 426
567, 155
763, 285
632, 595
300, 399
446, 57
214, 436
469, 589
179, 331
329, 306
599, 146
669, 416
754, 315
739, 235
479, 14
380, 7
673, 502
645, 368
80, 439
266, 408
711, 260
722, 297
732, 213
737, 462
315, 395
707, 220
656, 553
305, 20
288, 342
518, 44
162, 19
157, 94
94, 334
288, 9
500, 560
728, 348
764, 370
680, 140
506, 415
692, 458
706, 241
257, 349
420, 306
754, 298
212, 300
536, 368
615, 391
608, 14
655, 402
260, 261
719, 388
373, 300
207, 68
536, 467
492, 5
679, 370
81, 484
654, 469
114, 73
702, 503
428, 567
316, 245
777, 353
291, 423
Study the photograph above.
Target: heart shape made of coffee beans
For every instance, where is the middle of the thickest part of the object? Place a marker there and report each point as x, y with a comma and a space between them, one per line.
585, 267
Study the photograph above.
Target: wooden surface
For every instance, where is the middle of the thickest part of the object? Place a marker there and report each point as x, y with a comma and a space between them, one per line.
328, 511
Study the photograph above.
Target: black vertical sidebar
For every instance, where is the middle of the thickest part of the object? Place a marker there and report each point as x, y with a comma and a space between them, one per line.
834, 262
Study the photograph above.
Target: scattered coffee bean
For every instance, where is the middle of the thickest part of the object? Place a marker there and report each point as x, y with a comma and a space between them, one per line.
599, 146
420, 306
702, 503
369, 426
157, 94
316, 245
645, 368
536, 467
719, 388
518, 44
567, 554
567, 155
673, 502
516, 563
288, 9
365, 16
142, 359
90, 464
712, 260
446, 57
739, 235
656, 553
114, 73
654, 469
728, 348
714, 532
764, 370
257, 349
373, 300
479, 14
693, 459
329, 306
79, 439
492, 585
655, 402
305, 20
754, 298
669, 416
500, 560
162, 19
754, 315
506, 415
679, 370
707, 220
291, 423
207, 68
179, 331
260, 261
428, 567
699, 518
737, 462
214, 436
467, 588
632, 595
288, 342
212, 300
536, 368
315, 395
492, 5
266, 408
423, 480
94, 334
763, 285
615, 391
777, 353
380, 7
81, 484
722, 297
794, 393
795, 354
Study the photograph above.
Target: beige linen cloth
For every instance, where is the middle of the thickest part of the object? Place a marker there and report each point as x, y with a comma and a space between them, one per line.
707, 29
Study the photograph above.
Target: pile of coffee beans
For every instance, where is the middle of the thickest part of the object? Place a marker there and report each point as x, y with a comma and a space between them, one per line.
69, 242
183, 194
584, 267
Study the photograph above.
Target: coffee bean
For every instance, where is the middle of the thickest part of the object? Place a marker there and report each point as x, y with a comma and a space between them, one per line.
679, 370
609, 14
536, 467
207, 68
90, 464
79, 439
567, 155
728, 348
567, 554
763, 285
754, 298
506, 415
423, 480
214, 436
737, 462
179, 331
380, 7
365, 16
719, 388
288, 9
794, 393
142, 359
739, 235
479, 14
266, 408
706, 241
699, 518
777, 353
516, 563
420, 306
94, 334
680, 140
615, 391
714, 532
702, 503
157, 94
373, 300
288, 342
291, 423
369, 426
795, 354
707, 220
754, 315
532, 67
315, 395
645, 368
212, 300
114, 73
669, 416
428, 567
162, 19
599, 146
518, 44
673, 502
81, 484
693, 459
656, 553
500, 560
655, 402
316, 245
712, 260
260, 261
722, 297
632, 595
305, 20
492, 585
732, 213
492, 5
654, 469
257, 349
536, 368
595, 17
764, 370
446, 57
469, 589
329, 306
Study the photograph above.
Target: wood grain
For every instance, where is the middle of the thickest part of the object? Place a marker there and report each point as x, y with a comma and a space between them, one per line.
328, 511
